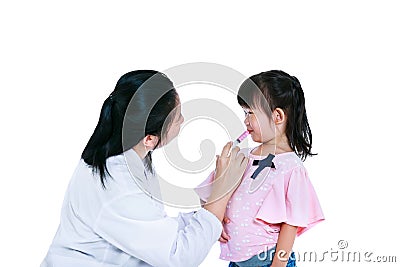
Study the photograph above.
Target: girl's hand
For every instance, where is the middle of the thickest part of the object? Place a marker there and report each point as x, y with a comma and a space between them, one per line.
224, 236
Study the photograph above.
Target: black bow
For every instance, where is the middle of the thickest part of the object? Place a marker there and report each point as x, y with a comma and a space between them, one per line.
267, 162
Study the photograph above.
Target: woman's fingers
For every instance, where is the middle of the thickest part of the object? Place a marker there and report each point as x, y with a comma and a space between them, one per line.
234, 152
216, 161
226, 149
243, 159
238, 158
229, 170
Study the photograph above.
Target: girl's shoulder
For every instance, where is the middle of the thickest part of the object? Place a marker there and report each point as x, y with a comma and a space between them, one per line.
291, 168
288, 161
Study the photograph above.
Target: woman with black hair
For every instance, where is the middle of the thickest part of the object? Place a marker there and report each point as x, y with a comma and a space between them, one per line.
110, 216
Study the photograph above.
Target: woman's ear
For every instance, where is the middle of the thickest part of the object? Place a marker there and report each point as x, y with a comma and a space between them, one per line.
279, 116
150, 142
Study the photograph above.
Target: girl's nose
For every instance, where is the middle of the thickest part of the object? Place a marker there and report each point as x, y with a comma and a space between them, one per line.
246, 121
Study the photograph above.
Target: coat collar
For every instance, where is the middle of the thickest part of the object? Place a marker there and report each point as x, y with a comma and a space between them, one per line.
135, 164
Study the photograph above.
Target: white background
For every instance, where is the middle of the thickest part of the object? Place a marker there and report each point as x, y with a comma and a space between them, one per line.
60, 60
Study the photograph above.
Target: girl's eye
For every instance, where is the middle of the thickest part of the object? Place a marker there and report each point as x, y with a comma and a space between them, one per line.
247, 112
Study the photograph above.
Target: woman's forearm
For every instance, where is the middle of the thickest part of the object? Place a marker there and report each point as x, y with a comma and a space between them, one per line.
218, 207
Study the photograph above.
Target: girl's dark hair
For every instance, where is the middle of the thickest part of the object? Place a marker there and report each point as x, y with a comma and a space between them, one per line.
140, 105
277, 89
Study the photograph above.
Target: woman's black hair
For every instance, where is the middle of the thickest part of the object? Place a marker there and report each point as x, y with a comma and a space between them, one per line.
277, 89
140, 105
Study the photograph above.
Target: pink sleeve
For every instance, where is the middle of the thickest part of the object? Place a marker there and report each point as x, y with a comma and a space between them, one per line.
292, 201
204, 189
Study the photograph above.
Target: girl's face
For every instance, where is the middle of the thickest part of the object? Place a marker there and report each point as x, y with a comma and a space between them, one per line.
259, 125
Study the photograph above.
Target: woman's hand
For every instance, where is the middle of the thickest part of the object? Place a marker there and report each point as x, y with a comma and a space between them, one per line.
228, 175
229, 172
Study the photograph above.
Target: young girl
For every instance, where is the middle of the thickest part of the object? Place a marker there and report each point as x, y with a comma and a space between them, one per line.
275, 201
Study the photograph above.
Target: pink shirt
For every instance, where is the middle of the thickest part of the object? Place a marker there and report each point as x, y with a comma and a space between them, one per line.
286, 195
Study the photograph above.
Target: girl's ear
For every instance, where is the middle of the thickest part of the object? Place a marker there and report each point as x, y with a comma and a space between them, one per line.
279, 116
150, 142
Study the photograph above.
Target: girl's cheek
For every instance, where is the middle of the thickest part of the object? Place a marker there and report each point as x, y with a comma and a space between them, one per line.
254, 124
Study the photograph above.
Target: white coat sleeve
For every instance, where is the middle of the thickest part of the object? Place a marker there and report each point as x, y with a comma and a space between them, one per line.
136, 226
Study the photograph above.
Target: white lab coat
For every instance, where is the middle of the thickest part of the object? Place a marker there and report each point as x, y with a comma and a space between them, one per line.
123, 225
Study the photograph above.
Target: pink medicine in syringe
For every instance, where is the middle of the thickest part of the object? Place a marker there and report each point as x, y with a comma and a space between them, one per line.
240, 138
